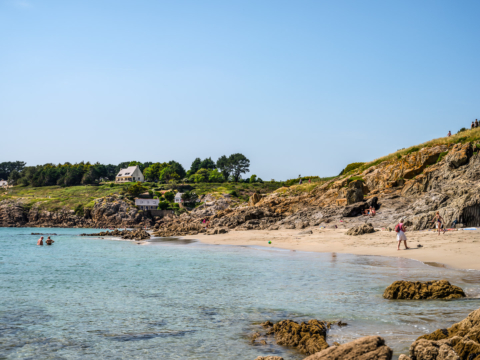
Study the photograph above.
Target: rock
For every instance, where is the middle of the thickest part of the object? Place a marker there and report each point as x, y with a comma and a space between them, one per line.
366, 348
460, 341
354, 210
459, 155
306, 232
409, 290
361, 229
267, 324
308, 338
255, 198
269, 358
354, 193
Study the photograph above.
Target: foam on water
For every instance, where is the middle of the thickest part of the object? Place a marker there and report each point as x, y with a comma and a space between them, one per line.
90, 298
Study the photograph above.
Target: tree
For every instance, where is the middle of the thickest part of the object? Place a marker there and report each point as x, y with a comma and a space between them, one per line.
253, 178
238, 164
189, 197
208, 164
152, 173
223, 166
168, 174
7, 167
195, 165
178, 168
215, 176
169, 196
201, 176
163, 205
14, 177
136, 189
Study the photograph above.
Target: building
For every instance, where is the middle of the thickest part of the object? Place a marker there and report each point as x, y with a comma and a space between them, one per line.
132, 173
146, 204
3, 183
178, 197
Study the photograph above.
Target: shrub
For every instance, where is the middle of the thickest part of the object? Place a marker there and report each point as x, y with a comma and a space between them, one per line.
169, 196
441, 156
461, 130
412, 150
233, 193
351, 167
112, 185
163, 205
79, 210
462, 139
399, 156
354, 178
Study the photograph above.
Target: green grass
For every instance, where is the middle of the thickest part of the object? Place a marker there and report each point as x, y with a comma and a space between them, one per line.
354, 178
54, 198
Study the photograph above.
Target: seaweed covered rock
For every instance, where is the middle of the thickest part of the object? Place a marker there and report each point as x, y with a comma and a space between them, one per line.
460, 341
269, 358
138, 234
366, 348
416, 290
361, 229
308, 338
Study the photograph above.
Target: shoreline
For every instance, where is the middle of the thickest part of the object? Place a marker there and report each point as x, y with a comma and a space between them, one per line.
455, 249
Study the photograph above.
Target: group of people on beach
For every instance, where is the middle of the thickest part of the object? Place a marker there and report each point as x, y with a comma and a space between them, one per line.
48, 241
400, 229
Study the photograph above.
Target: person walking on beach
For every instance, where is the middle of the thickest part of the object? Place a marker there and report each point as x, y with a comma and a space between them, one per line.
49, 241
438, 222
40, 241
400, 229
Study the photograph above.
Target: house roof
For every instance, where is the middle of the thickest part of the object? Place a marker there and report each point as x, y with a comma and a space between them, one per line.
179, 194
128, 171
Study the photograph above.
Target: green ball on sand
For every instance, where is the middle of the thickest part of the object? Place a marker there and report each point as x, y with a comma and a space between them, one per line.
269, 242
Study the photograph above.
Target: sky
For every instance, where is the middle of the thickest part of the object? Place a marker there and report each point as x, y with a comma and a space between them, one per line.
298, 87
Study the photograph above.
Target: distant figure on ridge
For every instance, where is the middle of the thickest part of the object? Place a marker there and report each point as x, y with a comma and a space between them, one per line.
40, 241
300, 182
309, 181
476, 123
400, 230
49, 241
449, 133
473, 125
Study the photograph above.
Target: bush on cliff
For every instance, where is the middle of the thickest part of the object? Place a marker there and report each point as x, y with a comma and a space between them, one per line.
351, 167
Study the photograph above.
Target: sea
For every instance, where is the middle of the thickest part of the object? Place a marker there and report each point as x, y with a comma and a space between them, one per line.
93, 298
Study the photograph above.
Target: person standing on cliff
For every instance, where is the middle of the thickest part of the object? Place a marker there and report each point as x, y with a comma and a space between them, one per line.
476, 123
473, 125
449, 133
400, 230
40, 241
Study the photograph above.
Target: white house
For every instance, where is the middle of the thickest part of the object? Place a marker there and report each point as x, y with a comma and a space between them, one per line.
178, 197
147, 204
132, 173
3, 183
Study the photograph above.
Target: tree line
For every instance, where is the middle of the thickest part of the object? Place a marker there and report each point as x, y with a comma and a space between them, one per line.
224, 169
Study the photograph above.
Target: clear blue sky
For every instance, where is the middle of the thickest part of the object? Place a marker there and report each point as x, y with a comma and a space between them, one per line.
299, 87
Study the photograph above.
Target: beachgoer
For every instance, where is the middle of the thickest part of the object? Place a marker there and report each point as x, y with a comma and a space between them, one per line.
476, 122
449, 133
204, 221
309, 181
438, 222
400, 229
208, 224
300, 182
372, 211
366, 212
40, 241
49, 241
473, 125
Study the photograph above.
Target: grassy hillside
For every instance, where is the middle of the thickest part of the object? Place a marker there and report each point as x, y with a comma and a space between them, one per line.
54, 198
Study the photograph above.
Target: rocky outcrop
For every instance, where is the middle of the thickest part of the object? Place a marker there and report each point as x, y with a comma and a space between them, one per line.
459, 342
366, 348
354, 193
308, 338
416, 290
138, 234
255, 198
269, 358
361, 229
111, 211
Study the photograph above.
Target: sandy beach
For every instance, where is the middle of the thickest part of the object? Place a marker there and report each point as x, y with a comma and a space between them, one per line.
456, 249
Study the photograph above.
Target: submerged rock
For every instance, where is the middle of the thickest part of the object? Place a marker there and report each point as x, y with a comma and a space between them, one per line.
361, 229
460, 341
308, 338
416, 290
269, 358
366, 348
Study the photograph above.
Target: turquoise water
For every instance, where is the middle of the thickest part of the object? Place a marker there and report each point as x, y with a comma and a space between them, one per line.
93, 298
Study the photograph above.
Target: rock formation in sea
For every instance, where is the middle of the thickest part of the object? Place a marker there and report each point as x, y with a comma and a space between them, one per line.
365, 348
461, 341
138, 234
416, 290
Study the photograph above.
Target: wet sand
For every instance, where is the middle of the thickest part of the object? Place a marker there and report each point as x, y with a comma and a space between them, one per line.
456, 249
